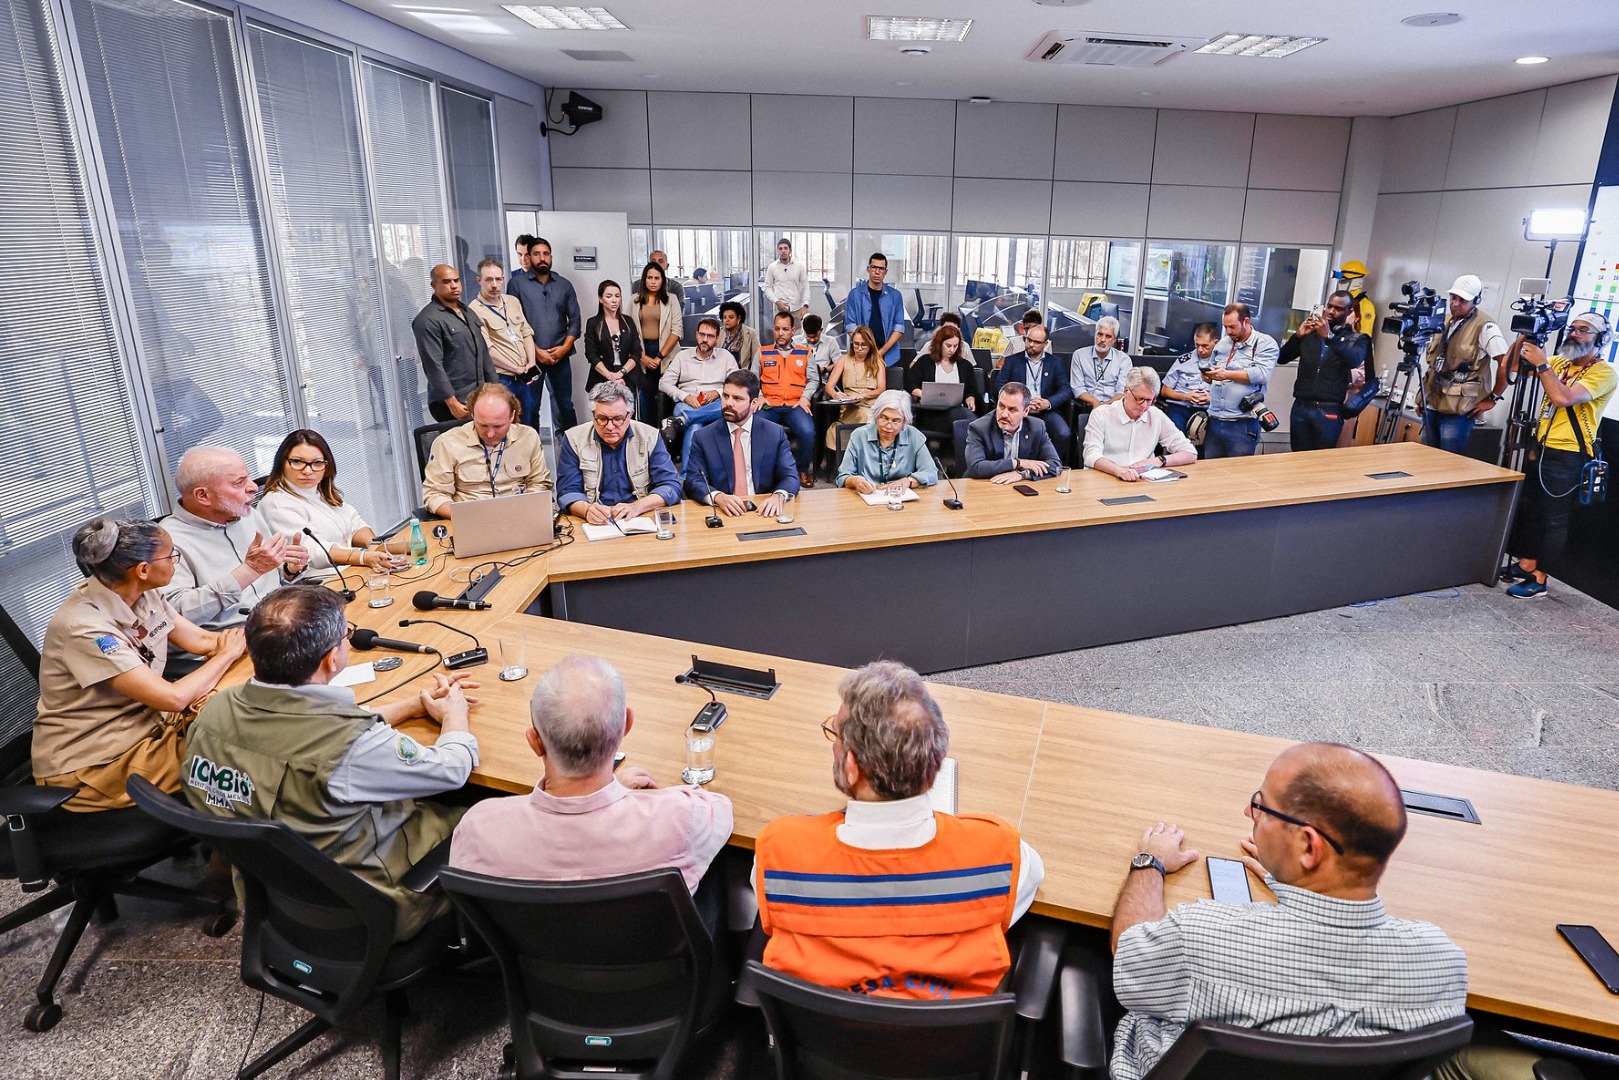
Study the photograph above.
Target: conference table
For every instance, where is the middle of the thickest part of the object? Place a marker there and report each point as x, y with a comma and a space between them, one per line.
1081, 784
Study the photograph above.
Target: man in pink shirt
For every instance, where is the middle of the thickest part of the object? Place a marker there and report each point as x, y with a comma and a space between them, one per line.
582, 822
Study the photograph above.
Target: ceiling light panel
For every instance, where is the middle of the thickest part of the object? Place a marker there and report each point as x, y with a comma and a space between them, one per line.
916, 28
566, 17
1271, 46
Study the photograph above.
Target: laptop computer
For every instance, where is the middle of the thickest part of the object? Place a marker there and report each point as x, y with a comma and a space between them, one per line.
504, 524
942, 395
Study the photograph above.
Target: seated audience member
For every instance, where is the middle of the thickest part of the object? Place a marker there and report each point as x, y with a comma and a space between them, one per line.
745, 459
656, 310
822, 346
288, 746
302, 493
227, 556
857, 377
614, 467
953, 318
582, 821
105, 712
1123, 436
1047, 379
1325, 960
489, 456
692, 379
1015, 340
1243, 362
789, 381
1097, 371
1009, 446
888, 450
612, 341
868, 861
1184, 390
942, 362
737, 337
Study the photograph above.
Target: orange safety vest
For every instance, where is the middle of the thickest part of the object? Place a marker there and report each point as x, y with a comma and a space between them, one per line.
782, 374
927, 922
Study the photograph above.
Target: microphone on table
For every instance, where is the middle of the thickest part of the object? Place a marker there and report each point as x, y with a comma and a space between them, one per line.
369, 639
471, 658
710, 716
427, 600
346, 592
954, 502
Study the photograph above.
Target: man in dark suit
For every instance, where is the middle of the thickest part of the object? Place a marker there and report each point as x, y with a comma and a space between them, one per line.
1010, 446
769, 477
1047, 378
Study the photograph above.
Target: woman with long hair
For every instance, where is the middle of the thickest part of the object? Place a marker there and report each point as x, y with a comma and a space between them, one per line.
857, 377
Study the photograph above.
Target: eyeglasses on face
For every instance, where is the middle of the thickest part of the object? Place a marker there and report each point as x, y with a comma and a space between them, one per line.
306, 464
828, 730
174, 553
1255, 804
612, 421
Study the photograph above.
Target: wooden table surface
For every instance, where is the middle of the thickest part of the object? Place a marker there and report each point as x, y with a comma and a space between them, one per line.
1080, 783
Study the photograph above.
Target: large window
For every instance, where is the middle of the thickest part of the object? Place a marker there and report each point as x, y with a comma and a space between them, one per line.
918, 266
823, 254
1085, 280
998, 278
712, 267
1280, 285
478, 217
1186, 285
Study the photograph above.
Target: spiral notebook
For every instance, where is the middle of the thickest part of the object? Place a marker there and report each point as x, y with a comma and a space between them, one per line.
943, 793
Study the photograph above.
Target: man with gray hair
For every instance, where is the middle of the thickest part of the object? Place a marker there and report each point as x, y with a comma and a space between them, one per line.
1130, 437
288, 746
582, 821
614, 468
226, 555
1097, 371
891, 897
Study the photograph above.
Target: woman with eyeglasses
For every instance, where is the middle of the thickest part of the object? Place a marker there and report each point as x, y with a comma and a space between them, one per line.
888, 452
302, 492
105, 711
857, 377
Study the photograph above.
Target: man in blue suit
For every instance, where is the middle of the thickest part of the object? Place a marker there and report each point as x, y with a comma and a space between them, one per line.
768, 476
1009, 446
1047, 378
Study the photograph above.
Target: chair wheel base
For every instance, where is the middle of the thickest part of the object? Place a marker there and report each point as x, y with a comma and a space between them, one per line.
219, 925
43, 1017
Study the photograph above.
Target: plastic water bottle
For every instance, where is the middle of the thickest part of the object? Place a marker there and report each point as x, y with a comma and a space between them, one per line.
418, 543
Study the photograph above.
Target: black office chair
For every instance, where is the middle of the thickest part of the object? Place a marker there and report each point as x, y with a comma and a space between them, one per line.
422, 438
927, 315
1207, 1051
92, 858
840, 439
314, 933
958, 443
616, 977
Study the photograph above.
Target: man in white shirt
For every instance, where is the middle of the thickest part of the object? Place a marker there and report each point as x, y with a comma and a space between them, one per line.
692, 378
1096, 372
1124, 436
786, 282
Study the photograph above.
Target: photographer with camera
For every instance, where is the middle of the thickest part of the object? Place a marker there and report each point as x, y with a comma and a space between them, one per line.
1330, 350
1565, 463
1243, 362
1458, 363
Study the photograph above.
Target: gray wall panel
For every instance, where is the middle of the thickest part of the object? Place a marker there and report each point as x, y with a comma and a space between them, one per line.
1001, 206
629, 190
1299, 153
618, 141
1099, 209
802, 198
917, 203
691, 197
897, 136
1202, 148
1006, 139
700, 131
1195, 213
1103, 143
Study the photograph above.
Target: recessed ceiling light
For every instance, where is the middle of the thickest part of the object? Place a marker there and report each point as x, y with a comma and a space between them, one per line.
1526, 60
1432, 19
1273, 46
916, 28
915, 50
902, 82
980, 99
566, 17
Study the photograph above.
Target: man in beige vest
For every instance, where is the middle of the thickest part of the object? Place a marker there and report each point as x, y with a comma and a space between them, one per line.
288, 746
1458, 361
614, 468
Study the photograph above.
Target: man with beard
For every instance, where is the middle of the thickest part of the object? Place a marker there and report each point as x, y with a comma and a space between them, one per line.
1577, 385
552, 310
1097, 371
890, 897
741, 460
1330, 350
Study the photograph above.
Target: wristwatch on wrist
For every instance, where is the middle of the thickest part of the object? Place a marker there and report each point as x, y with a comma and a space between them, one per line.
1148, 861
1495, 397
1540, 369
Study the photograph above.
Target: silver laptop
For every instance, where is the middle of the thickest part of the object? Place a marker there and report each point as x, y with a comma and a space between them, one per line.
942, 395
504, 524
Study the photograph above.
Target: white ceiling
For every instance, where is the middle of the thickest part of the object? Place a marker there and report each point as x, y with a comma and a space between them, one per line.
1370, 64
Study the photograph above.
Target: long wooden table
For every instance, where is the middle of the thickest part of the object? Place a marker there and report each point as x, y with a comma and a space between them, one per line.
1080, 783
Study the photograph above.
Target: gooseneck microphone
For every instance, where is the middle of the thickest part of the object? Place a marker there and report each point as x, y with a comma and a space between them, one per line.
426, 600
710, 716
347, 593
369, 639
471, 658
954, 502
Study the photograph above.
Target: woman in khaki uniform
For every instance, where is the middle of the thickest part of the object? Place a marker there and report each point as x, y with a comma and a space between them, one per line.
105, 711
858, 375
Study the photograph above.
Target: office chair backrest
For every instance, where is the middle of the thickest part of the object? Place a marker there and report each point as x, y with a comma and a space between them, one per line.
619, 970
313, 932
19, 698
423, 438
1207, 1051
822, 1033
840, 439
959, 441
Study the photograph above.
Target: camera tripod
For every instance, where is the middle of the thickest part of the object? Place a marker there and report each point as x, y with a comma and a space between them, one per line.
1523, 412
1409, 368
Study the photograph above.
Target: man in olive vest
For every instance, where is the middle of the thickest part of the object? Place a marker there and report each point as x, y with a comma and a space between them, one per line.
288, 746
614, 468
1457, 387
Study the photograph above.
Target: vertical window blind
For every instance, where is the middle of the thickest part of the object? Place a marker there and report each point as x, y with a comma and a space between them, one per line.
469, 141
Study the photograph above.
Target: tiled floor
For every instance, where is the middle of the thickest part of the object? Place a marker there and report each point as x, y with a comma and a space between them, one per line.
1467, 676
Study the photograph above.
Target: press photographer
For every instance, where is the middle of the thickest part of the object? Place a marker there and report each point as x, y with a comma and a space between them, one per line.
1458, 369
1330, 350
1566, 463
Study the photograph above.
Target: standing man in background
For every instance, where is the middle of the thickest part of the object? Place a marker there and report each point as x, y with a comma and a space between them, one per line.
523, 242
1243, 362
509, 338
1330, 351
879, 307
671, 283
450, 344
1458, 369
786, 282
552, 310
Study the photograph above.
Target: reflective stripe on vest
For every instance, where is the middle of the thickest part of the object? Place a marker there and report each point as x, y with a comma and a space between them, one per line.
872, 890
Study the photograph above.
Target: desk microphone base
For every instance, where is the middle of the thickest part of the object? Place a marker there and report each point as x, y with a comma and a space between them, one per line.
470, 658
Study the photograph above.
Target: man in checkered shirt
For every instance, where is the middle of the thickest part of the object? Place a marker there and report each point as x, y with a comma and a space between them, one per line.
1325, 960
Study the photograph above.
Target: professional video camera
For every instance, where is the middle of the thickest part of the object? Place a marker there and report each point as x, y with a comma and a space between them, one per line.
1417, 320
1539, 318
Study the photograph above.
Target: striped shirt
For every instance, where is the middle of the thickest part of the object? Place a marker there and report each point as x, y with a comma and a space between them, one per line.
1307, 965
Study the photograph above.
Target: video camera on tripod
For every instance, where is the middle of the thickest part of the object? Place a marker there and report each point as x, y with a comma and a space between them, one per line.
1417, 320
1539, 318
